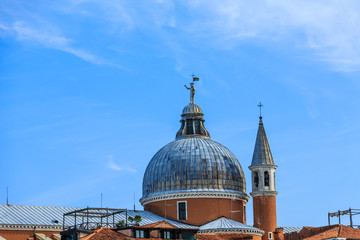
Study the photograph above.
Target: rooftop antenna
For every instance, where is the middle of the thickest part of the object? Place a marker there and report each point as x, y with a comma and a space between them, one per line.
101, 200
260, 106
134, 202
7, 195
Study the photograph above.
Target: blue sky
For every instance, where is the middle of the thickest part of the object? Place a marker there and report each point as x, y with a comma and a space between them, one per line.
90, 90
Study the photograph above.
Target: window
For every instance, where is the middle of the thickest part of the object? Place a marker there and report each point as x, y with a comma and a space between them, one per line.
256, 179
168, 235
189, 127
197, 126
244, 213
270, 235
267, 179
139, 234
182, 213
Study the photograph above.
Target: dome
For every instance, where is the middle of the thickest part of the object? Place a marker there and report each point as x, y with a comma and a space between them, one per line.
191, 108
193, 165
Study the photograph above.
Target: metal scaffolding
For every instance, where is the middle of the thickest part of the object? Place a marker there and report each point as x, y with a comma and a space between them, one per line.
93, 218
350, 212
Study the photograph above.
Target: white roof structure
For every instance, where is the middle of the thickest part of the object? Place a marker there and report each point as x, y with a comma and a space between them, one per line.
19, 216
290, 229
225, 225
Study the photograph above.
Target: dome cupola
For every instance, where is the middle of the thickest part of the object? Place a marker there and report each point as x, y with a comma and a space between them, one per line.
193, 169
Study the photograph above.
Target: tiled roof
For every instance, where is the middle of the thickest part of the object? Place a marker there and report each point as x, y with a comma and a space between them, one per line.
106, 234
224, 225
325, 232
338, 231
162, 224
33, 215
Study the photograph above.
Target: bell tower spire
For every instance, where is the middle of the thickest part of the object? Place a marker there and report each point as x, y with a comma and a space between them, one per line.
263, 183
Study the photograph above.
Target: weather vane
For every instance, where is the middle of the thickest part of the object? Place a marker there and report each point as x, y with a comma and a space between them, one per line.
260, 106
192, 88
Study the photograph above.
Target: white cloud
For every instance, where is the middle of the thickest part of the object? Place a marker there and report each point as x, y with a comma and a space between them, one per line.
50, 38
114, 166
329, 28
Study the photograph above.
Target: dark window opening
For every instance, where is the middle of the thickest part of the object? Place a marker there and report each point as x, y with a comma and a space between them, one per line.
244, 213
256, 179
197, 127
169, 235
142, 234
267, 179
189, 127
182, 210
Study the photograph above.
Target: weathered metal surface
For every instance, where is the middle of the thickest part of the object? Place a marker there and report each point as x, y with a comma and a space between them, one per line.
227, 225
262, 153
193, 164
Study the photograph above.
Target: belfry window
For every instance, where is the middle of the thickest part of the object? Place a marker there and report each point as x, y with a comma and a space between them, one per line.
266, 179
182, 211
256, 179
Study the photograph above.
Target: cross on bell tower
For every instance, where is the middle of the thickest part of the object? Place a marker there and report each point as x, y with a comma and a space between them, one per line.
263, 184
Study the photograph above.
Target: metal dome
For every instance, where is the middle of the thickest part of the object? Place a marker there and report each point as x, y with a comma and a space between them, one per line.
193, 165
191, 108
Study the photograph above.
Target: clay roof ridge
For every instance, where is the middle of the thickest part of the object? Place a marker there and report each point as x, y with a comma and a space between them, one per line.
340, 229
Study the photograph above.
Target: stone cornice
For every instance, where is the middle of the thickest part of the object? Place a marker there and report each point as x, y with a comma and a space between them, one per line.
263, 166
264, 193
232, 230
28, 227
182, 195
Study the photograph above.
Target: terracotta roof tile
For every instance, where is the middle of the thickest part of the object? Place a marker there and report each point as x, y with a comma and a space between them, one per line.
162, 224
105, 233
317, 233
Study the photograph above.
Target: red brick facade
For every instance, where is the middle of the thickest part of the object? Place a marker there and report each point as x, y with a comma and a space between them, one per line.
200, 210
265, 214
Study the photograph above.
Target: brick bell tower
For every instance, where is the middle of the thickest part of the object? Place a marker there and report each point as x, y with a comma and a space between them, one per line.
263, 184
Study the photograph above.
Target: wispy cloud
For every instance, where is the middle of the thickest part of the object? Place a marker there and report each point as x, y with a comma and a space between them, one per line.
114, 166
51, 39
324, 30
328, 28
31, 28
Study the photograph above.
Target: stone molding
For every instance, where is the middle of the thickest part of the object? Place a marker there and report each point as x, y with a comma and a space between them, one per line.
183, 195
264, 193
30, 227
238, 230
256, 167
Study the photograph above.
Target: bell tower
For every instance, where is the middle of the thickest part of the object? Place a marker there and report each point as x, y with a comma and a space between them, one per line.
263, 184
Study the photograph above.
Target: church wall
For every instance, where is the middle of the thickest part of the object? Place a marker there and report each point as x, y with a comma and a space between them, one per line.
200, 210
